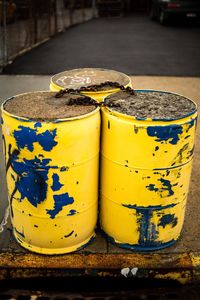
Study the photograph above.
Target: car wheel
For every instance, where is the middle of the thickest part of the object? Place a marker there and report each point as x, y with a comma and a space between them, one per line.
162, 17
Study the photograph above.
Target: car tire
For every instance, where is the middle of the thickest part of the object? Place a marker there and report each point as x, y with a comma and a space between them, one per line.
162, 18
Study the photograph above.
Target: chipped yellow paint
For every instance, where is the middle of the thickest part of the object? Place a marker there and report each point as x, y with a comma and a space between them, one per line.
181, 276
145, 174
63, 218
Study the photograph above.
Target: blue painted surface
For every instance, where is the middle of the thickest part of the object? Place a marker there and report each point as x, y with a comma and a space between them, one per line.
155, 207
148, 233
168, 219
166, 186
59, 202
46, 140
38, 124
165, 133
56, 186
32, 177
137, 247
26, 137
72, 212
152, 187
147, 230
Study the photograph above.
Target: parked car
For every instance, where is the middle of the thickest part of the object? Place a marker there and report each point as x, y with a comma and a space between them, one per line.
164, 10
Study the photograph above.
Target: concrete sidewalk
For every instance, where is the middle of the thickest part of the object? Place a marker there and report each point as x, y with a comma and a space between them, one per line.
180, 262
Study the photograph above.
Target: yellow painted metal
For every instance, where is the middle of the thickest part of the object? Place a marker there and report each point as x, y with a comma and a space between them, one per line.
145, 174
52, 178
85, 77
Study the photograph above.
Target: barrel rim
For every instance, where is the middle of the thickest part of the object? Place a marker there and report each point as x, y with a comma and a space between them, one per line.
59, 120
88, 92
116, 113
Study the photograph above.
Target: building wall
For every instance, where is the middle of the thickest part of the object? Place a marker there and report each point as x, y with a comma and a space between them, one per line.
26, 23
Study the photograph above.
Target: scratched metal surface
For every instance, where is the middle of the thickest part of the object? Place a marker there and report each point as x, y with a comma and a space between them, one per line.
184, 255
10, 86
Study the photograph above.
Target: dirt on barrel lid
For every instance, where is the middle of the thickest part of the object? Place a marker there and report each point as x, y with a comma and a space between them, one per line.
86, 77
151, 104
44, 106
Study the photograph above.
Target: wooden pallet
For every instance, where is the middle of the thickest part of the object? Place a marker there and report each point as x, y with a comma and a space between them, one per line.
180, 262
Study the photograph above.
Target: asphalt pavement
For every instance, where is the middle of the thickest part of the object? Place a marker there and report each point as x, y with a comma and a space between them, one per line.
134, 45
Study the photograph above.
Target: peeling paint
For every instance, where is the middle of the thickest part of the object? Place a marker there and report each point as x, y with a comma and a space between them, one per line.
166, 186
59, 202
165, 133
168, 219
72, 212
26, 137
56, 186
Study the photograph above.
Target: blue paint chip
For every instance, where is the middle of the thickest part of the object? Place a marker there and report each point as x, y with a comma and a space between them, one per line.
165, 133
150, 207
59, 202
38, 124
46, 140
168, 219
26, 137
166, 186
32, 179
72, 212
56, 186
152, 187
154, 247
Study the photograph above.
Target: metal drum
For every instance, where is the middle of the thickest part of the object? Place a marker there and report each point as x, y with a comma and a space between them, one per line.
145, 174
52, 178
74, 79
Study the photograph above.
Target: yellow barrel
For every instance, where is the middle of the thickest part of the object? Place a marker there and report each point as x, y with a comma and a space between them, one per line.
52, 177
145, 174
77, 78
